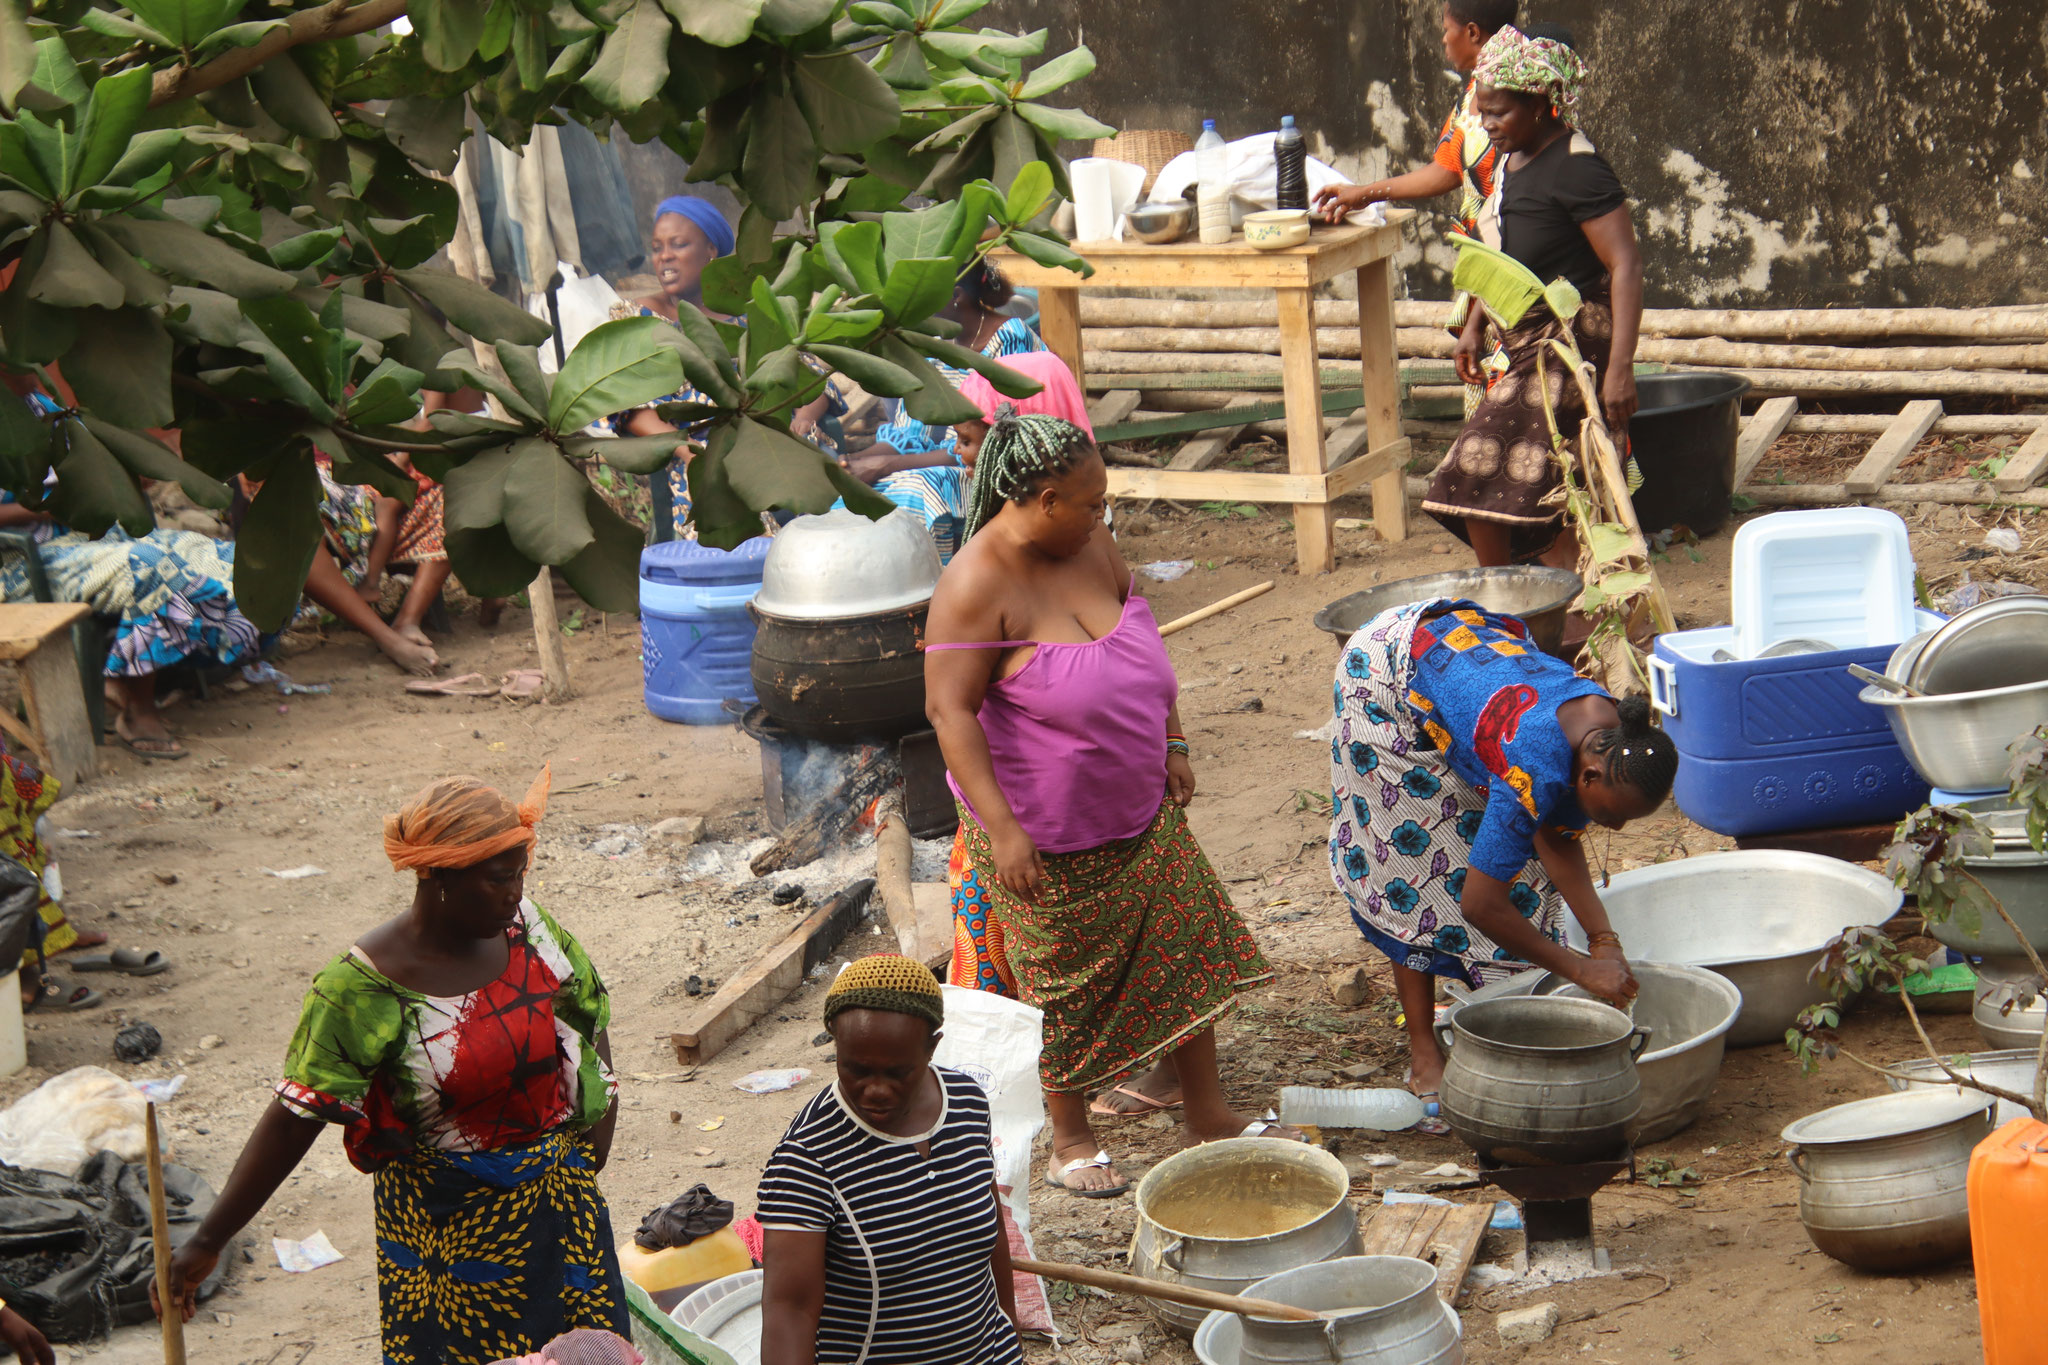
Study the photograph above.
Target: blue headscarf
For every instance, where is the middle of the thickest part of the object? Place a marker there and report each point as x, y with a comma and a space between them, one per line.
704, 214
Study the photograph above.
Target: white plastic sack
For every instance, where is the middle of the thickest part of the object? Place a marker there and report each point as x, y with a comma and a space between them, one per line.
996, 1040
1252, 177
585, 301
68, 1118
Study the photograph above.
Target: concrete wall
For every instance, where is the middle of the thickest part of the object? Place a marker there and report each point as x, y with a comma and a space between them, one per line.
1777, 152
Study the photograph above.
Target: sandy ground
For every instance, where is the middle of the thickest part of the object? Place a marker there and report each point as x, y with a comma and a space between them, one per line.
276, 785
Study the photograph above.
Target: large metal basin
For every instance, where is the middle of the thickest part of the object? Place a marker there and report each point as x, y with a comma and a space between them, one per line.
2008, 1069
2002, 1022
1688, 1011
1536, 595
1220, 1338
1958, 740
1399, 1318
2019, 879
1225, 1214
1758, 918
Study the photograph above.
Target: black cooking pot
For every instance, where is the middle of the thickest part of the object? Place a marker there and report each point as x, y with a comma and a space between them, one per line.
845, 679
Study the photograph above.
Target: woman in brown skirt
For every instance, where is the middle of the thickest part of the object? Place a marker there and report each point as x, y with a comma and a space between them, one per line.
1558, 208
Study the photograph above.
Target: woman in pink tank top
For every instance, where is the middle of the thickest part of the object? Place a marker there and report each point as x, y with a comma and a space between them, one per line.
1055, 705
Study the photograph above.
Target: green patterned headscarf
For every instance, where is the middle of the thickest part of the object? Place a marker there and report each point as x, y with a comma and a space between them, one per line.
1511, 60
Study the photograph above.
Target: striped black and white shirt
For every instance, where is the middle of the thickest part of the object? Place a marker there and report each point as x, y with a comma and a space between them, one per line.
908, 1237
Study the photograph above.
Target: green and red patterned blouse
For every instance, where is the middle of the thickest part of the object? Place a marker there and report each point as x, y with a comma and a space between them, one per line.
499, 1067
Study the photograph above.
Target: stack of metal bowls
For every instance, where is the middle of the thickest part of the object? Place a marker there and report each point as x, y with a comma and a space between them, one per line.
1983, 680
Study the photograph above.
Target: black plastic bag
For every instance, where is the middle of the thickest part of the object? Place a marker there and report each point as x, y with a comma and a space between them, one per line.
21, 891
76, 1256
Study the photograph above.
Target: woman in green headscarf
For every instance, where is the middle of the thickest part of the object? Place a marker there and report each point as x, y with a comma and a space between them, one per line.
1558, 208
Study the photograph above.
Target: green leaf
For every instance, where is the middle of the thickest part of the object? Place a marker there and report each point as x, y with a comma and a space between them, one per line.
878, 15
289, 97
793, 18
487, 562
467, 369
854, 255
387, 395
1004, 380
607, 572
139, 286
1064, 69
1609, 542
917, 288
633, 62
1015, 146
428, 130
1064, 123
630, 454
530, 49
19, 163
871, 372
780, 169
988, 43
57, 72
185, 251
849, 324
953, 12
1029, 193
475, 309
905, 67
146, 154
721, 23
521, 365
107, 24
449, 31
1047, 252
148, 458
239, 35
770, 326
300, 355
24, 443
120, 367
185, 22
623, 364
769, 468
275, 547
112, 114
706, 362
686, 416
935, 401
35, 332
307, 249
475, 490
544, 511
849, 105
94, 491
926, 233
69, 277
571, 60
17, 53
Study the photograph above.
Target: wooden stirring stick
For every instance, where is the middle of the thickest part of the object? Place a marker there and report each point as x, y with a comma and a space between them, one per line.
1172, 1293
160, 1243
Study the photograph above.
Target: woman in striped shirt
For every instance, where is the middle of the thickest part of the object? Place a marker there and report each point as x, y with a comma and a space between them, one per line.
884, 1240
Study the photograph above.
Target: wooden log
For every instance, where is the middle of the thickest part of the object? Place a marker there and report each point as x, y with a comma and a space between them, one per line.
547, 638
1380, 385
772, 978
1758, 432
1965, 383
2024, 467
1209, 447
804, 840
1890, 450
1110, 408
1947, 493
1330, 341
1968, 424
1180, 623
892, 874
172, 1318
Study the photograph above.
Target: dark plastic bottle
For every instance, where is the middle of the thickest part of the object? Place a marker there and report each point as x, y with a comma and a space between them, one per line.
1290, 166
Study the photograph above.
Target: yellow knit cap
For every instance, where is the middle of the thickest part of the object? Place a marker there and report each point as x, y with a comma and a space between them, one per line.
887, 981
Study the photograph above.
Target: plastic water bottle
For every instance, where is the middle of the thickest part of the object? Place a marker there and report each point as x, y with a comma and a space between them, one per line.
1290, 167
1212, 185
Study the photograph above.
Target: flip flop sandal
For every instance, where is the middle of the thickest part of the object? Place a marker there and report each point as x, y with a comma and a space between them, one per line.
134, 746
522, 684
1056, 1177
1268, 1127
1146, 1104
1431, 1125
128, 961
468, 685
56, 992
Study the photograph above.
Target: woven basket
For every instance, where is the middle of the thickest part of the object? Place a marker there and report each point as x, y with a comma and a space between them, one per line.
1151, 148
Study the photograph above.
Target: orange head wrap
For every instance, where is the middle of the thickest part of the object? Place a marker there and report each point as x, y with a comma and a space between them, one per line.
459, 822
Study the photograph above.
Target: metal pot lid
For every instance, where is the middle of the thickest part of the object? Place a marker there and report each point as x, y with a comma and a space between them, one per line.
1995, 644
1886, 1116
842, 564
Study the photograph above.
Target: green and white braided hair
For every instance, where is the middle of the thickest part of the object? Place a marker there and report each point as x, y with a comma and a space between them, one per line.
1017, 454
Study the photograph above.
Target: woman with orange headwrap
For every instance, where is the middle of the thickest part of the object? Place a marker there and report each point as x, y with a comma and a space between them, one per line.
462, 1047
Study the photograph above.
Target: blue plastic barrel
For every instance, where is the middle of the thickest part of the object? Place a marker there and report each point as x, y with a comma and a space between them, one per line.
696, 639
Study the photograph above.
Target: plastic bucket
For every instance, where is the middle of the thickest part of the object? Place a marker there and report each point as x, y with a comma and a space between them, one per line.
696, 638
1683, 438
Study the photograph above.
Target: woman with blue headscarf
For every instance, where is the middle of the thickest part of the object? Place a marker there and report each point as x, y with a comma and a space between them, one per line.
689, 234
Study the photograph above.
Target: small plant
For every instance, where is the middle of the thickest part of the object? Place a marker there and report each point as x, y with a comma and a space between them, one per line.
1662, 1172
1321, 803
1226, 511
1927, 859
573, 622
1987, 469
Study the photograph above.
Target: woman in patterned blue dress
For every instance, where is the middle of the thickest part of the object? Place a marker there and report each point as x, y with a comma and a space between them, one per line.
1465, 766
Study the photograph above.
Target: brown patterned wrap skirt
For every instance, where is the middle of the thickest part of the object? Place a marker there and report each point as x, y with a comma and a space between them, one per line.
1500, 467
1131, 949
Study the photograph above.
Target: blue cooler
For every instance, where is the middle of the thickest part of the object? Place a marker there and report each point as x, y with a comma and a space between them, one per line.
1769, 746
696, 638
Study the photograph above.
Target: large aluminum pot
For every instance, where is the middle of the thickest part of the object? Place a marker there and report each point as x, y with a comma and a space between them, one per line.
2019, 879
1533, 594
1999, 643
1957, 740
1541, 1081
1759, 918
1224, 1214
1688, 1011
2002, 1021
2011, 1069
1883, 1181
843, 564
1399, 1318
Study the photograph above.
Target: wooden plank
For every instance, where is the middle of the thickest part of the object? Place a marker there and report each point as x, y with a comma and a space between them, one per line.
773, 978
1759, 430
1328, 253
2024, 467
25, 625
1412, 373
1341, 402
1211, 485
1059, 324
30, 742
1965, 424
1381, 387
55, 702
1111, 408
934, 901
1315, 536
1890, 450
1445, 1235
1372, 467
1207, 449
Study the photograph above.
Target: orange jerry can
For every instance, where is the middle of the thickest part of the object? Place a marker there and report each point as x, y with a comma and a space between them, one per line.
2008, 1210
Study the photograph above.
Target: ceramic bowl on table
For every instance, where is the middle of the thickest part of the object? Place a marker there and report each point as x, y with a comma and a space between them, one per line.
1276, 229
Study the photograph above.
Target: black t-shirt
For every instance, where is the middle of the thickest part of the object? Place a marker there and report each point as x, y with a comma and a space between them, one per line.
1543, 203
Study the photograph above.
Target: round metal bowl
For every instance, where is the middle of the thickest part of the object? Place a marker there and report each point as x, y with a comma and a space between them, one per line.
2009, 1069
1688, 1011
1159, 223
1759, 918
1995, 644
2018, 877
842, 564
1958, 740
1536, 595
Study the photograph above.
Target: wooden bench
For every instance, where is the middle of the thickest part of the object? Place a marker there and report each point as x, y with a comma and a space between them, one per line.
36, 638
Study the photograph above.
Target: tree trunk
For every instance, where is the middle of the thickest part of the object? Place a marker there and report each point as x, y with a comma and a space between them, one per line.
547, 638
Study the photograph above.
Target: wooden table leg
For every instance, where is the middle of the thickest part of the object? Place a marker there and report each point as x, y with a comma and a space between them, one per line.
1380, 364
55, 702
1059, 323
1301, 379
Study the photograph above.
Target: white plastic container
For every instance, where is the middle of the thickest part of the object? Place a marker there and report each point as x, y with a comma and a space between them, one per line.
1842, 576
13, 1041
1212, 185
1385, 1110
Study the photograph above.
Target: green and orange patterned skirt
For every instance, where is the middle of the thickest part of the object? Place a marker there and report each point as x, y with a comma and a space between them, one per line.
1132, 949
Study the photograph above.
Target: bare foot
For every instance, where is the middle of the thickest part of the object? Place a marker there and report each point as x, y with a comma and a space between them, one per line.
407, 630
1084, 1178
488, 610
87, 938
1426, 1071
418, 659
143, 733
1158, 1090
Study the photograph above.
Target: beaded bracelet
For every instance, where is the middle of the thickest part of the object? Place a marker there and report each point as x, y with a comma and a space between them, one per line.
1177, 746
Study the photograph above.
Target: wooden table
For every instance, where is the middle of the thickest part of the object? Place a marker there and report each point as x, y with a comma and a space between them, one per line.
36, 638
1367, 448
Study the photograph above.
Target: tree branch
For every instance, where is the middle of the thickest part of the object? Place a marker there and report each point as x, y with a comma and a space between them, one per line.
2032, 1105
337, 19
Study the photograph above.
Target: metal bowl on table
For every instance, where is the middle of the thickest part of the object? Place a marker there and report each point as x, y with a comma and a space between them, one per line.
1537, 595
1995, 644
1159, 224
